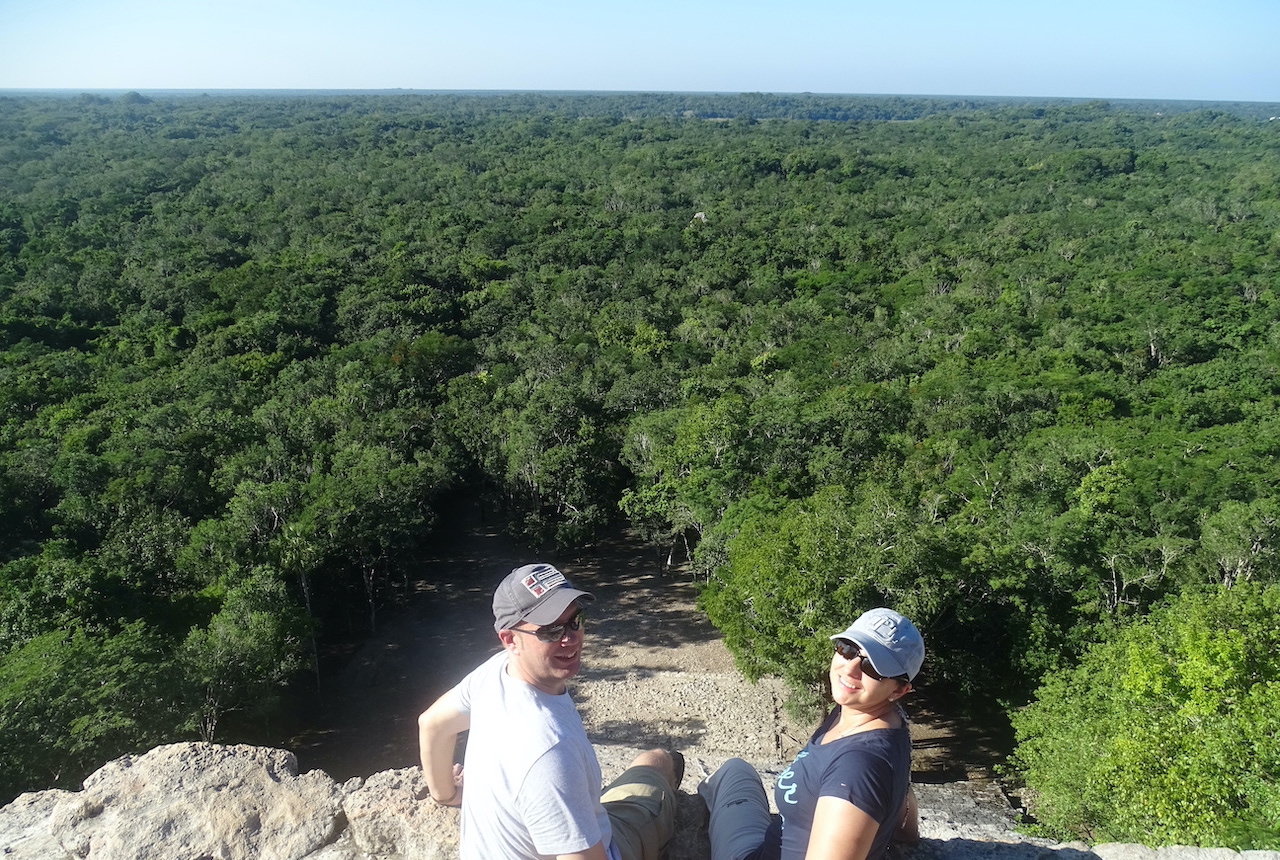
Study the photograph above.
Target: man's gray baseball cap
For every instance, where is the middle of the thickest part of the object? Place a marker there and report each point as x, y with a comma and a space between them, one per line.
536, 593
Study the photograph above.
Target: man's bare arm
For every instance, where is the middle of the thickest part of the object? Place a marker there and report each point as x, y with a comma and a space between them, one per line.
438, 730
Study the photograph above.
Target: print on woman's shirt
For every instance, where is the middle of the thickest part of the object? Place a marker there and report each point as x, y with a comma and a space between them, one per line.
785, 780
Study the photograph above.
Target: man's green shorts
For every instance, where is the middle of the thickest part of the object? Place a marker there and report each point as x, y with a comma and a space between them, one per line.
642, 811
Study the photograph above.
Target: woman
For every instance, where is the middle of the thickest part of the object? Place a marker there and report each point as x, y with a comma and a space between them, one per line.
848, 793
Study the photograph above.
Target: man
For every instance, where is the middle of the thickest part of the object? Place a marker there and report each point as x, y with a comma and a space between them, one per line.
532, 777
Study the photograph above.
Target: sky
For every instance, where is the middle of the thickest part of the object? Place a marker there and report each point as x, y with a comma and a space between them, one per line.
1215, 50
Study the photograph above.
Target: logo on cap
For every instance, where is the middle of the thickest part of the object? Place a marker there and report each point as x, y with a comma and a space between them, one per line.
885, 628
540, 582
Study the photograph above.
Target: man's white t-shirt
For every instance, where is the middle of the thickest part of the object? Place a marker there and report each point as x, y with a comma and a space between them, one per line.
532, 777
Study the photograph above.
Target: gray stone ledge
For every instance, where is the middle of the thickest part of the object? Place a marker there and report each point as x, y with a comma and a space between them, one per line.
185, 801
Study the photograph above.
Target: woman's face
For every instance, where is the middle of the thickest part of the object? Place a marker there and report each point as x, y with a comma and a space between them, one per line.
853, 687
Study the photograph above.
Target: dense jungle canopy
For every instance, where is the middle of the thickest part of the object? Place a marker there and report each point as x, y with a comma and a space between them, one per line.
1010, 367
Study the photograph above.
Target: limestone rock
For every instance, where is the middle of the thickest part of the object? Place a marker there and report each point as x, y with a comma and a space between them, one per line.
1124, 851
25, 830
1182, 852
389, 815
210, 802
195, 801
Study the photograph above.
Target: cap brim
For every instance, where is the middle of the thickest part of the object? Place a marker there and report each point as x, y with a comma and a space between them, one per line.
556, 603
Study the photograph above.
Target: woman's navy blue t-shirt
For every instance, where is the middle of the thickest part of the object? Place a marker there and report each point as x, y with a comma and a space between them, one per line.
871, 770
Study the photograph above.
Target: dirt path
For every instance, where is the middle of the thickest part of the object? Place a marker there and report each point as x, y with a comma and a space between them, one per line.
656, 672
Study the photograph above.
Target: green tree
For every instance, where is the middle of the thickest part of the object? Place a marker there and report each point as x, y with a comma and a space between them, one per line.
795, 573
70, 701
242, 659
1166, 731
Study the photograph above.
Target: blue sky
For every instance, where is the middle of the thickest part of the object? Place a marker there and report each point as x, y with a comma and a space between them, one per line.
1161, 49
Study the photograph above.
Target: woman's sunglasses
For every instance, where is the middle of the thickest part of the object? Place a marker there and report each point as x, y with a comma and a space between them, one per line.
850, 651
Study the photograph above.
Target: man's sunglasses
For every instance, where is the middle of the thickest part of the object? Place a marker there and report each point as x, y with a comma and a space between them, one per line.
850, 651
555, 632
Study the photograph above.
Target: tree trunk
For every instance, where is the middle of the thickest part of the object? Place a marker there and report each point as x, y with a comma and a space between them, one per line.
305, 582
369, 583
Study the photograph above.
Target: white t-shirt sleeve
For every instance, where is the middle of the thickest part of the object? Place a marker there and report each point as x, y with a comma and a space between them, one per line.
460, 696
558, 805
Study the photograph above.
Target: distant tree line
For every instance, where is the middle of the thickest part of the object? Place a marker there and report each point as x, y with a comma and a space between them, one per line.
1008, 366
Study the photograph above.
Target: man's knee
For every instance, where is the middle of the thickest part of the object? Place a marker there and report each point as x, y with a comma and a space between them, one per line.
641, 808
662, 761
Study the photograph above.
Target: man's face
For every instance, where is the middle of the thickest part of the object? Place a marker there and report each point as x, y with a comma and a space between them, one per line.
546, 665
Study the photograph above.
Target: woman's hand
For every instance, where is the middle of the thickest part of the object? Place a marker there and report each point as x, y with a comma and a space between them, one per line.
908, 831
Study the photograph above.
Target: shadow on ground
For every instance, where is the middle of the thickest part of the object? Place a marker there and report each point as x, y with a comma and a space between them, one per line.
365, 719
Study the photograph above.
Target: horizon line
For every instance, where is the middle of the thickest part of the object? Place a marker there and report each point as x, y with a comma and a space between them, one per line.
210, 91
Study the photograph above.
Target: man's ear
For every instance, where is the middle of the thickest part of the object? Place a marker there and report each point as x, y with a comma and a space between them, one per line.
902, 691
507, 638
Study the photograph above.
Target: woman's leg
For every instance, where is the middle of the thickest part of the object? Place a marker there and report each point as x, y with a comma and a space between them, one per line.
739, 810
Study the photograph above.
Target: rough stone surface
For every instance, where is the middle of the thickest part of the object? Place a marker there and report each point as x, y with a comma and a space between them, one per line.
1124, 851
1179, 852
210, 802
187, 800
388, 815
26, 831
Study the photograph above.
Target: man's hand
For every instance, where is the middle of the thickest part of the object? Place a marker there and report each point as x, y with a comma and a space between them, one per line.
455, 799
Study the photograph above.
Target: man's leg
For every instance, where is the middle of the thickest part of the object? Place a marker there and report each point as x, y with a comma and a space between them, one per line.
642, 805
739, 810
